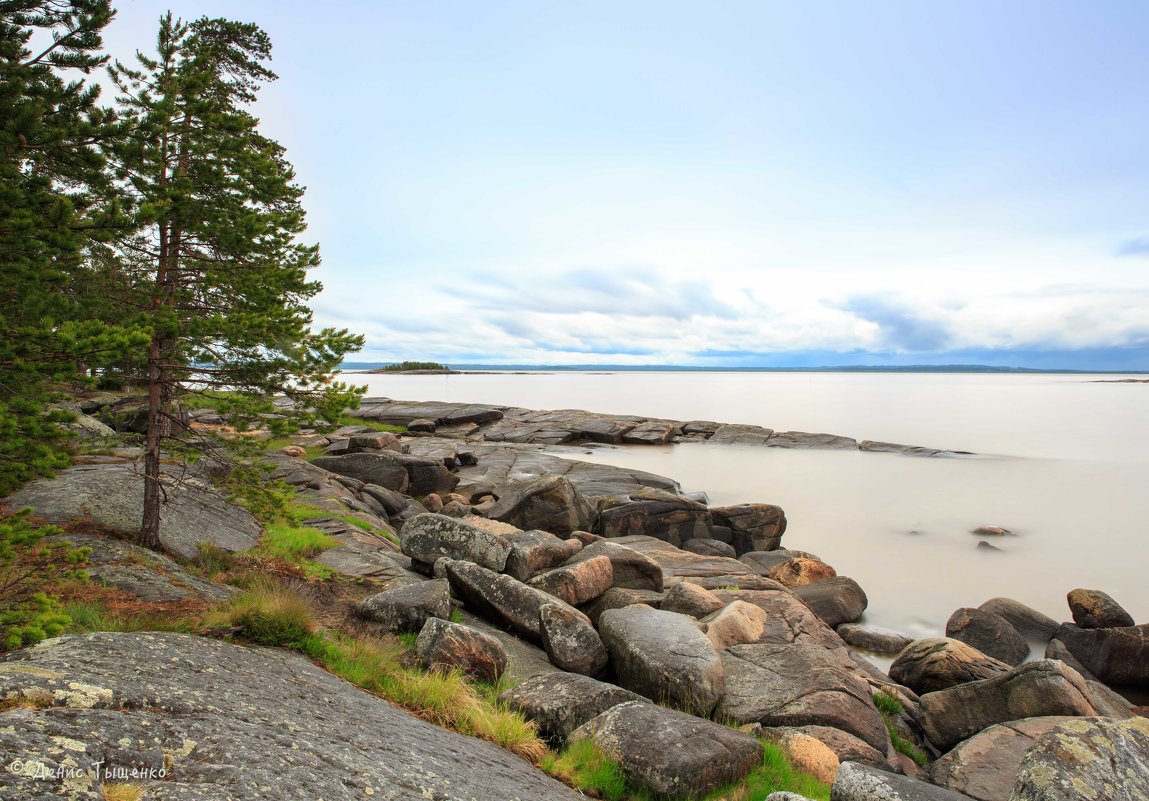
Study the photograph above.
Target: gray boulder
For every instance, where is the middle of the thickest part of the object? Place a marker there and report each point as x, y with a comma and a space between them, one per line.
442, 643
706, 547
654, 513
985, 766
753, 526
408, 607
570, 640
1094, 609
535, 551
787, 618
674, 754
578, 583
1117, 656
1030, 624
875, 639
560, 702
250, 724
548, 503
1036, 689
112, 496
762, 562
845, 746
1105, 760
835, 600
618, 597
631, 569
935, 663
501, 599
799, 685
664, 656
429, 537
989, 633
856, 782
737, 623
423, 476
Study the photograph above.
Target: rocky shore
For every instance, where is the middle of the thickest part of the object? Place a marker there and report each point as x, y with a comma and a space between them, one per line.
676, 636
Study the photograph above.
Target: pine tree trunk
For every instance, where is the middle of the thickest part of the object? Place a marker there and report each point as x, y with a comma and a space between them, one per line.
153, 494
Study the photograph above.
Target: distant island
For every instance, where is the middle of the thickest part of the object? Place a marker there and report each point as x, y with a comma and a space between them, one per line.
433, 368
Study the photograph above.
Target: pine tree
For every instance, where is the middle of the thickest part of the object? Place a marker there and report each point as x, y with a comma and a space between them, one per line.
52, 207
221, 272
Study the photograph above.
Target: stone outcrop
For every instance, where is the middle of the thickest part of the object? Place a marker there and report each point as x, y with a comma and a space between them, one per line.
532, 552
875, 639
413, 475
1094, 609
1030, 624
548, 503
444, 644
935, 663
408, 607
654, 513
560, 702
706, 571
753, 526
787, 618
1036, 689
112, 496
989, 633
578, 583
570, 640
674, 754
1118, 656
427, 538
225, 721
1087, 759
835, 600
857, 782
631, 568
799, 685
663, 656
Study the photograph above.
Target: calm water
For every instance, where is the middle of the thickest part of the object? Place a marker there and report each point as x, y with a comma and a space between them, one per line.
1063, 463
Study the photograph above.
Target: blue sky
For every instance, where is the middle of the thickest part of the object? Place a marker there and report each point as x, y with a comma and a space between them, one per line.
728, 183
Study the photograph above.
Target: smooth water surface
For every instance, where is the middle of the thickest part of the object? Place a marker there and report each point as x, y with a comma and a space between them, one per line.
1063, 462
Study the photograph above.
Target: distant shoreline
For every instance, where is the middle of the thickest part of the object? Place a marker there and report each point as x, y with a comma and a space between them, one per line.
483, 369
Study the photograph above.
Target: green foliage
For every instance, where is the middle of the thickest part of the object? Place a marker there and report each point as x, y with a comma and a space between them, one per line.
270, 614
85, 616
583, 765
27, 566
775, 774
887, 704
396, 368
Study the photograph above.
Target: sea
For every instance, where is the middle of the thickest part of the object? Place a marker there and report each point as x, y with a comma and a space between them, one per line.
1060, 460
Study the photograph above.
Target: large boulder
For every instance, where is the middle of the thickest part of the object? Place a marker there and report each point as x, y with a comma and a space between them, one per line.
655, 513
935, 663
857, 782
989, 633
570, 640
1118, 656
501, 599
845, 746
706, 547
442, 643
800, 571
408, 607
1035, 689
985, 766
423, 476
618, 597
690, 599
1094, 609
429, 537
805, 752
787, 618
1097, 760
737, 623
753, 526
631, 568
710, 572
227, 721
560, 702
835, 600
1030, 624
875, 639
799, 685
674, 754
535, 551
664, 656
111, 496
548, 503
578, 583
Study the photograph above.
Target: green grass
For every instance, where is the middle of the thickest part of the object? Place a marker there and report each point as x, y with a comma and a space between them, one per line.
889, 706
269, 614
294, 543
583, 765
374, 425
89, 616
299, 512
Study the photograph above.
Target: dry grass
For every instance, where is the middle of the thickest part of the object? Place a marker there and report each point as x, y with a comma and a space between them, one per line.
122, 791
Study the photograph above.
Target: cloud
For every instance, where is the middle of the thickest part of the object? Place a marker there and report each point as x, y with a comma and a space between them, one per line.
900, 327
1136, 248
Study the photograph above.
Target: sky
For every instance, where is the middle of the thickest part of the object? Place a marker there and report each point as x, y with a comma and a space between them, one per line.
716, 183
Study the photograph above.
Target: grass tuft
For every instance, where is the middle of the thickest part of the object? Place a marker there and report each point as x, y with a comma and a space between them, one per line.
889, 706
269, 614
89, 616
584, 766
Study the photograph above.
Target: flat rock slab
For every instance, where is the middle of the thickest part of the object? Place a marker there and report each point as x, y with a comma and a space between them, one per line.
875, 639
560, 702
856, 782
664, 656
675, 754
799, 685
1036, 689
985, 766
112, 496
677, 563
228, 722
1097, 760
